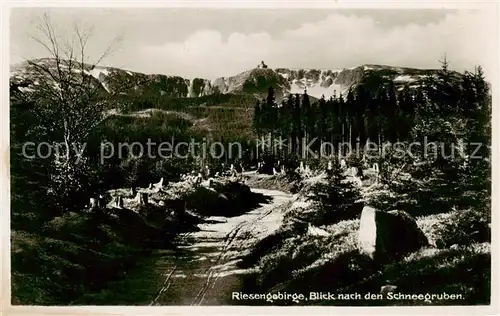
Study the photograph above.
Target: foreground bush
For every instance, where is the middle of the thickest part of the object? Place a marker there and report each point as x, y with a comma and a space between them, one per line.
464, 227
335, 200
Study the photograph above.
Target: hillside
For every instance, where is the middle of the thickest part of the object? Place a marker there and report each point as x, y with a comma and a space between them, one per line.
326, 82
104, 231
253, 82
222, 108
120, 81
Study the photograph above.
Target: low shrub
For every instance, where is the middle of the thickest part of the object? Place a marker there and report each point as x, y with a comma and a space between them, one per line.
464, 227
335, 200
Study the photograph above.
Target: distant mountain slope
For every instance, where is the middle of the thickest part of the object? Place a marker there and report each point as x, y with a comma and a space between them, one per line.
254, 82
120, 81
222, 108
318, 82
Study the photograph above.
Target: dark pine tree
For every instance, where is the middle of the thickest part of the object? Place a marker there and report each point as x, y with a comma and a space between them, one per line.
257, 116
297, 125
392, 111
350, 114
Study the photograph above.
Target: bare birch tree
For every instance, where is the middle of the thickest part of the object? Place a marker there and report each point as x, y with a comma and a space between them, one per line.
68, 98
67, 103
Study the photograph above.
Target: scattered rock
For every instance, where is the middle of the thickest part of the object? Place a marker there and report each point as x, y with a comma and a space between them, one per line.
343, 164
101, 200
455, 247
93, 203
223, 197
315, 231
384, 290
386, 235
159, 184
330, 166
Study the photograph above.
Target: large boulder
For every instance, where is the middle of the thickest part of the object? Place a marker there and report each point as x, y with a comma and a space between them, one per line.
388, 235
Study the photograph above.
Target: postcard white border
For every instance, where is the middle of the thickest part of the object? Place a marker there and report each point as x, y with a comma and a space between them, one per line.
233, 310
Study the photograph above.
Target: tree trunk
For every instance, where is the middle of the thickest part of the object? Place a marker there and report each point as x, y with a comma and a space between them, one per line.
350, 134
379, 145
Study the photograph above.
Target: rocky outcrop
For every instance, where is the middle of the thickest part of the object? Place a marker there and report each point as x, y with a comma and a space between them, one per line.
200, 87
255, 81
349, 77
387, 235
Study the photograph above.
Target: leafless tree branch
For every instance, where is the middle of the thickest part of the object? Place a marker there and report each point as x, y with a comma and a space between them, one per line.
67, 95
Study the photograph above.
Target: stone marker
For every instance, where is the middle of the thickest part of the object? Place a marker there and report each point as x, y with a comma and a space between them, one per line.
141, 198
198, 179
375, 167
159, 184
100, 201
386, 235
93, 203
343, 164
137, 197
144, 199
119, 202
351, 172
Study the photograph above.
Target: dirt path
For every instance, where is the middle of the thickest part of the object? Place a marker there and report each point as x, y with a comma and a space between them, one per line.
202, 269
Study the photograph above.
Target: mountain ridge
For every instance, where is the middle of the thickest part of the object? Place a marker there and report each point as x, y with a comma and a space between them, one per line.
256, 81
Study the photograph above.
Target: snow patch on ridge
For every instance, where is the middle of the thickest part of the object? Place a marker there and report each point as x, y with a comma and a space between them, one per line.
316, 90
404, 78
96, 73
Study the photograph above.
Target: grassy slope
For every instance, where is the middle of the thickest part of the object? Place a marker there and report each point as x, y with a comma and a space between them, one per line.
295, 262
222, 115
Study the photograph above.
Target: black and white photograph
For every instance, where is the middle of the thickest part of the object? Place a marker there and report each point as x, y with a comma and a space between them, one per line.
250, 156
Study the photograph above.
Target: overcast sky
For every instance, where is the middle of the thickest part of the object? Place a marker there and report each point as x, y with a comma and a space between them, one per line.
210, 43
